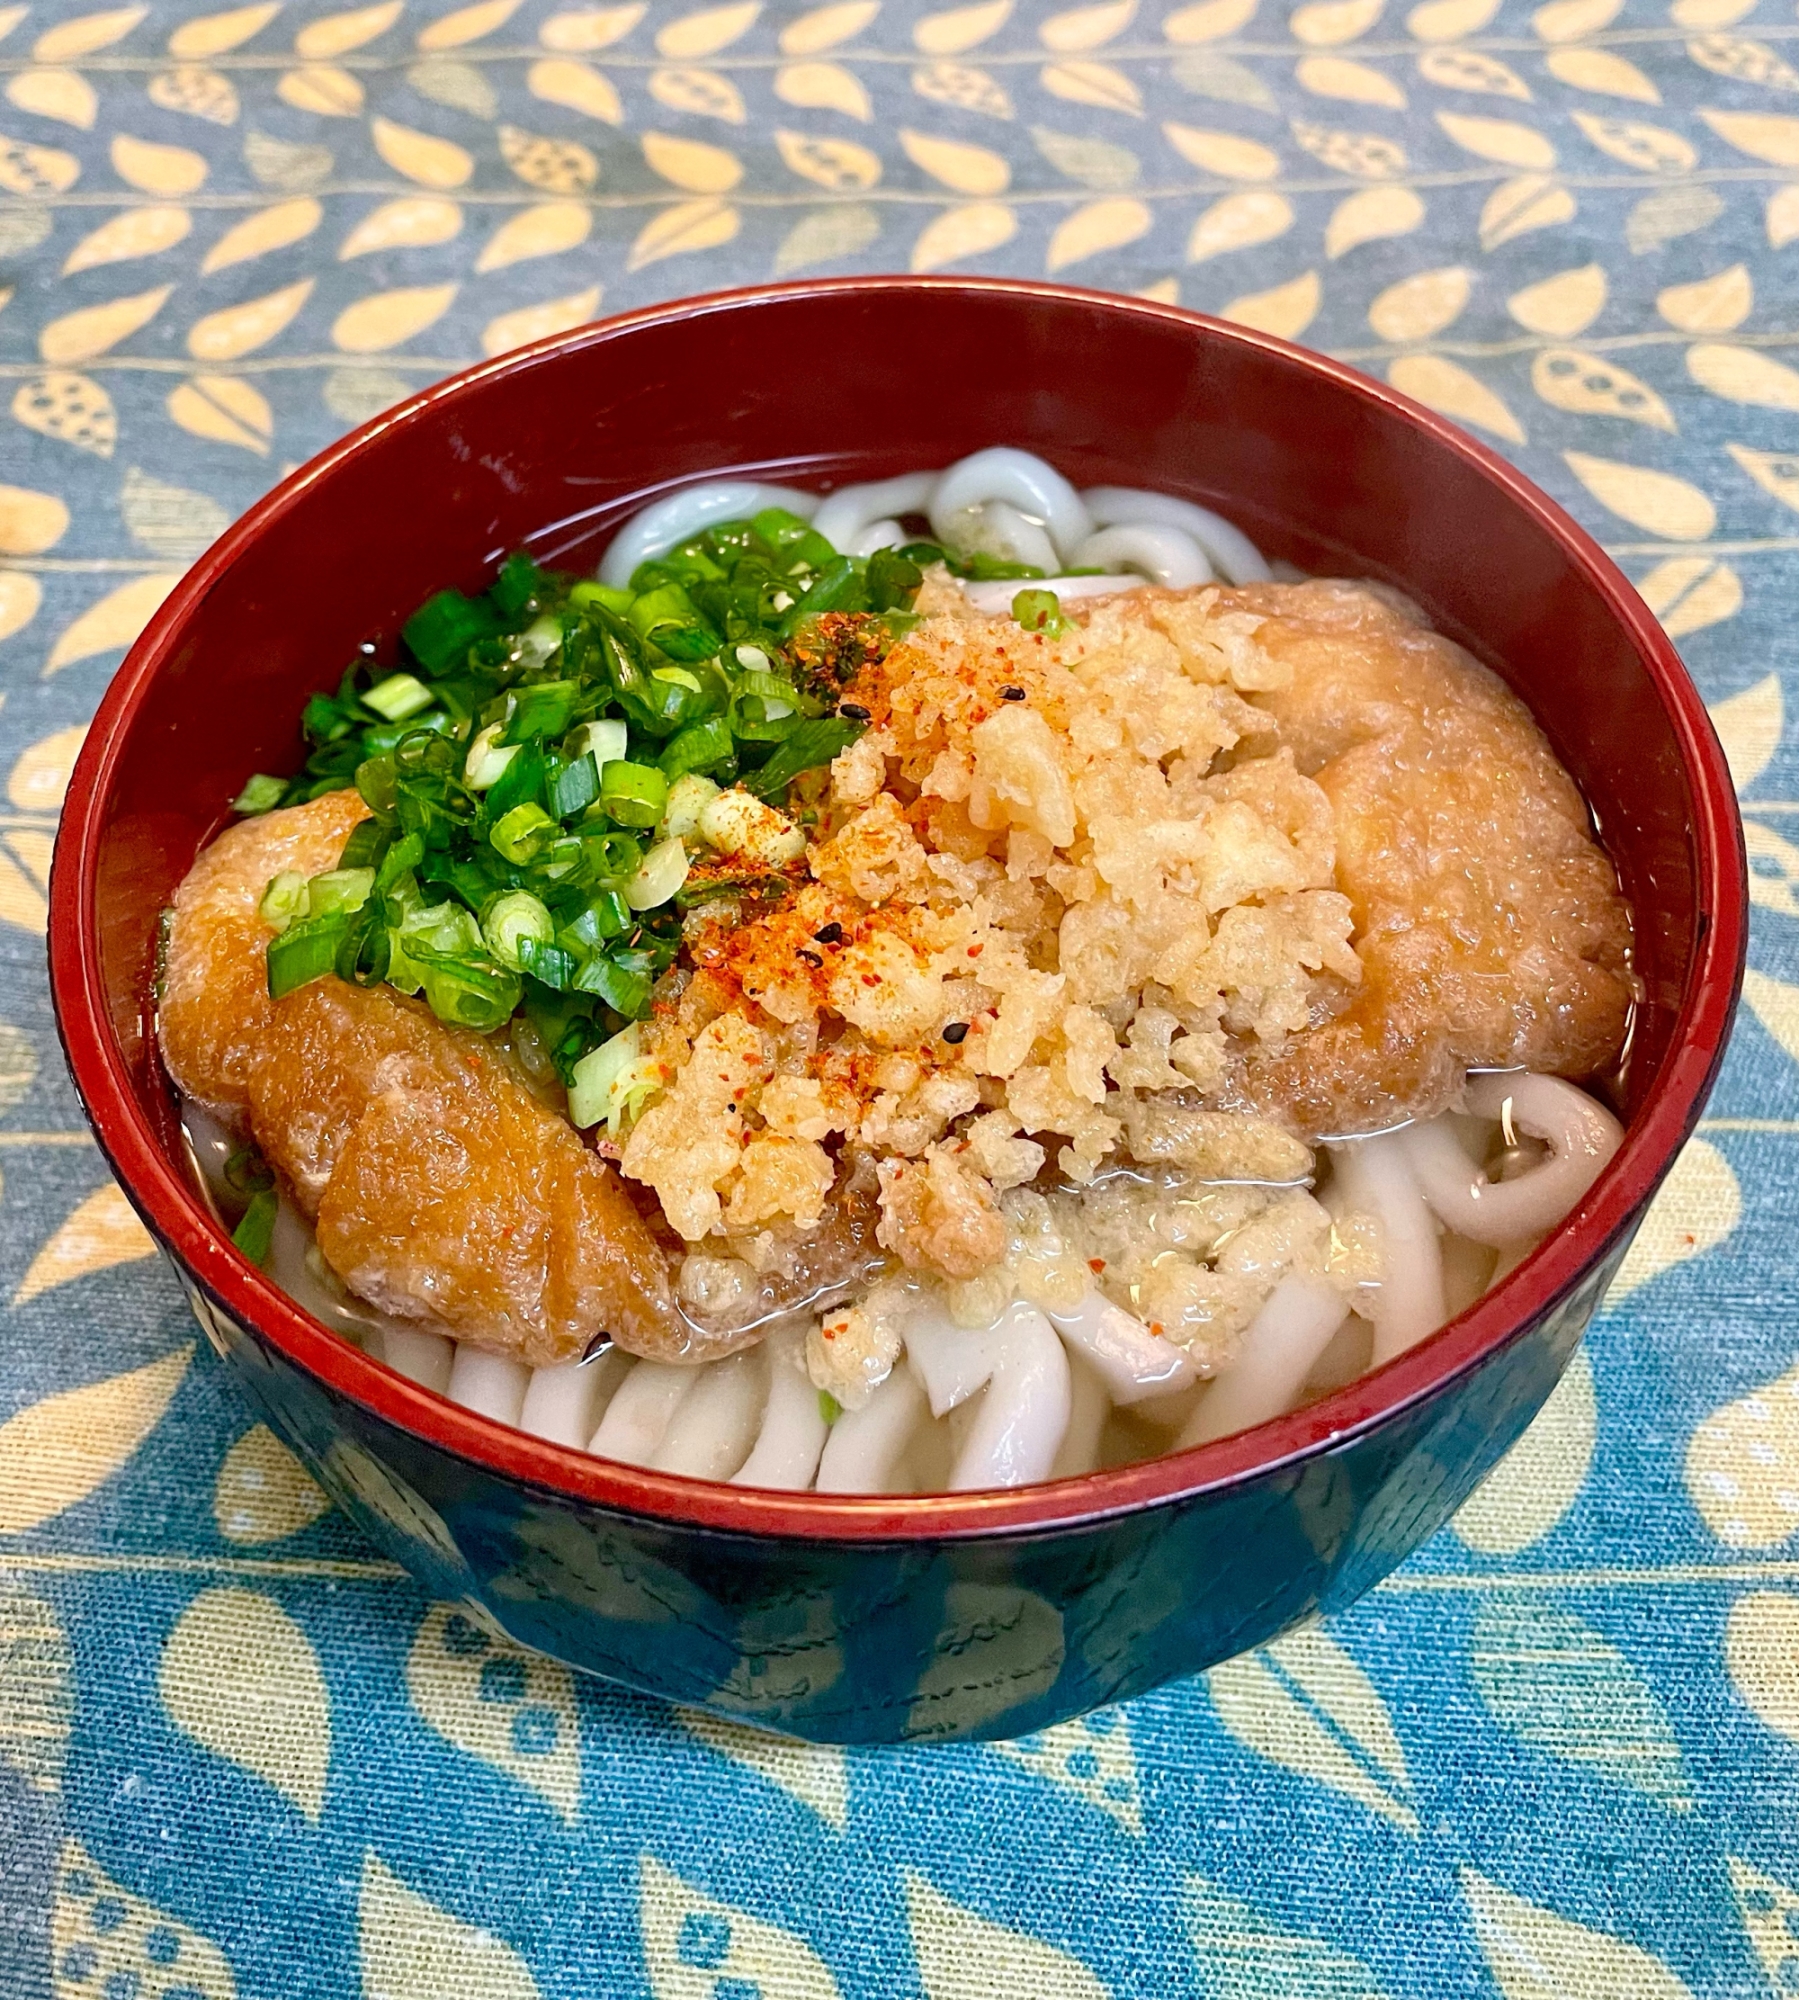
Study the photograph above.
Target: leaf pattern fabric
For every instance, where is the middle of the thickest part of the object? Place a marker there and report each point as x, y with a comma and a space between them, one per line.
1553, 1755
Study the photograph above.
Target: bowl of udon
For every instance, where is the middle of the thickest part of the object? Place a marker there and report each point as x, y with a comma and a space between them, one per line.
893, 1006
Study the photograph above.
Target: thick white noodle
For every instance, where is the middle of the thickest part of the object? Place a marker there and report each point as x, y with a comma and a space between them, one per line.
718, 1420
1020, 480
638, 1417
883, 534
1088, 1408
424, 1358
1581, 1136
1132, 1362
866, 1445
953, 1362
1233, 554
1023, 1417
1376, 1175
492, 1385
996, 594
561, 1403
1164, 555
660, 526
999, 529
793, 1433
843, 515
1280, 1349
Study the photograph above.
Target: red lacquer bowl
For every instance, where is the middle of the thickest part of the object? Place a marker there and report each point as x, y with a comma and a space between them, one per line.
968, 1614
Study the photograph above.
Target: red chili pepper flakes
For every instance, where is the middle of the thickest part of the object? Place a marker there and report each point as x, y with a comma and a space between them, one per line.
975, 950
1096, 1265
871, 979
1155, 1326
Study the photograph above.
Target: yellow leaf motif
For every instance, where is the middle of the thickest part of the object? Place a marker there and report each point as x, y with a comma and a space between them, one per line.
410, 222
1563, 305
1586, 385
1095, 163
511, 1709
20, 596
412, 1950
214, 34
1570, 20
1657, 502
545, 230
1761, 1649
1539, 1479
268, 229
324, 91
1303, 1703
35, 170
691, 164
69, 407
82, 36
166, 170
1210, 21
1774, 472
1709, 13
226, 409
705, 33
740, 1953
578, 86
817, 1774
38, 781
1770, 1913
388, 319
240, 330
1370, 214
112, 623
201, 93
701, 93
685, 229
241, 1679
818, 86
1450, 20
1501, 139
1602, 72
420, 156
1744, 375
57, 1452
466, 24
963, 168
1463, 69
1650, 149
1750, 726
263, 1493
1365, 154
830, 163
1517, 207
126, 1942
1226, 154
1536, 1955
1759, 134
81, 336
37, 1703
969, 231
960, 28
61, 94
338, 34
826, 235
1286, 310
1450, 389
1687, 593
1357, 83
1087, 27
30, 522
103, 1231
965, 1957
1775, 1005
1747, 62
1712, 305
967, 89
538, 322
590, 28
827, 27
1742, 1467
1783, 215
558, 166
1097, 227
10, 17
1421, 305
1238, 222
1092, 1758
1325, 23
1092, 83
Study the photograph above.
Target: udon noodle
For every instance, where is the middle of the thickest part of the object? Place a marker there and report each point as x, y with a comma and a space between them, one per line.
1138, 1022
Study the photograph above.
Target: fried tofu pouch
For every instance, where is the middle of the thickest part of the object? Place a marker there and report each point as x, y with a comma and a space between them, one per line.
442, 1191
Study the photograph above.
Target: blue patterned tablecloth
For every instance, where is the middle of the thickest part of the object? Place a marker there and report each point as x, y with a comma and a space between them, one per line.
1554, 1758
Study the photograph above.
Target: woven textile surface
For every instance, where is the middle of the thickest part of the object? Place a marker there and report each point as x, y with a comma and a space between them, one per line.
1556, 1757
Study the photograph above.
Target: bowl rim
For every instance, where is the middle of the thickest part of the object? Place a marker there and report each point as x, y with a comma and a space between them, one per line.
176, 1216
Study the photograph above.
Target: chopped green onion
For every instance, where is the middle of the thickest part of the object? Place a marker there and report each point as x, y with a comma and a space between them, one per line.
594, 1081
441, 631
487, 760
616, 856
811, 744
540, 639
248, 1171
688, 798
522, 833
368, 842
261, 794
656, 882
696, 748
519, 581
521, 780
284, 899
543, 710
603, 595
603, 741
554, 964
625, 990
405, 854
514, 918
1041, 611
305, 951
256, 1232
828, 1406
893, 580
399, 696
838, 587
573, 790
633, 794
341, 889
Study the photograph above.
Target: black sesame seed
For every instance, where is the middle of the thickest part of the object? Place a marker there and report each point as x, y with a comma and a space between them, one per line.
956, 1031
811, 957
831, 934
1011, 694
854, 710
